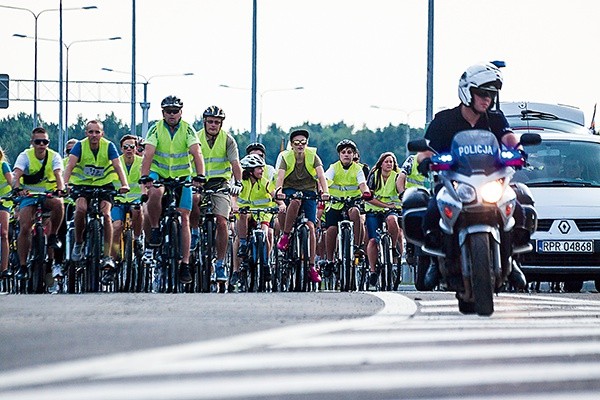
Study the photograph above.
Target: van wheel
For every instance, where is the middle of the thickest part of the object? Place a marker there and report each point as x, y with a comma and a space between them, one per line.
573, 286
597, 284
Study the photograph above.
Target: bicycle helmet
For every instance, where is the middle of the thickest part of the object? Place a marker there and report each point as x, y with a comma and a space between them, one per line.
252, 161
256, 146
346, 143
214, 111
171, 101
482, 76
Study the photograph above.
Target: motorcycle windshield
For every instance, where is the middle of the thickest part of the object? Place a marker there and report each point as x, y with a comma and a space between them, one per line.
475, 152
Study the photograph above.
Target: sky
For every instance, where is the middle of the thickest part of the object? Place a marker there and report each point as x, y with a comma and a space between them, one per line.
347, 55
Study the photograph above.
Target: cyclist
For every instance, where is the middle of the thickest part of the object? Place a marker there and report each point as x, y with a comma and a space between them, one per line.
132, 166
300, 170
257, 192
259, 149
38, 170
168, 147
222, 161
93, 162
383, 183
346, 180
5, 210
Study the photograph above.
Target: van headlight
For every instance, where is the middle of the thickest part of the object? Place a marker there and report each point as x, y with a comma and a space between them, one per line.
491, 192
466, 193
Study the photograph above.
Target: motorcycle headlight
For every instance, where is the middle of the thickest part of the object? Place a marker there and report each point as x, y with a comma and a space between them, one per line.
466, 193
491, 192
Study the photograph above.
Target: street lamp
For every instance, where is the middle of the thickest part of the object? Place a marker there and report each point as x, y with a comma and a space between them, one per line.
253, 139
63, 139
145, 105
35, 51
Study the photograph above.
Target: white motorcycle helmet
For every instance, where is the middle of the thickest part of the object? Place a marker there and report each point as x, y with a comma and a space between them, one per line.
483, 76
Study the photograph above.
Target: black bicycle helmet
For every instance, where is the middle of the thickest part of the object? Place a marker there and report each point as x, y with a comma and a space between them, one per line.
256, 146
171, 101
214, 111
346, 143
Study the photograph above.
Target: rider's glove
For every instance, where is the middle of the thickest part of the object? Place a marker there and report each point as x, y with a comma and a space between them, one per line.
199, 178
424, 165
236, 188
145, 179
524, 155
367, 196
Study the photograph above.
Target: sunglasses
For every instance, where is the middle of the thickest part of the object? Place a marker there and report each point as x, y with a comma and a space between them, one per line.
484, 93
212, 122
299, 142
171, 111
41, 141
129, 146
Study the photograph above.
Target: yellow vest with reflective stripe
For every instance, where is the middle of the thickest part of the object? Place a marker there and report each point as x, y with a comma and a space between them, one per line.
256, 195
93, 170
4, 187
387, 193
309, 161
172, 156
48, 182
415, 179
344, 183
216, 164
133, 176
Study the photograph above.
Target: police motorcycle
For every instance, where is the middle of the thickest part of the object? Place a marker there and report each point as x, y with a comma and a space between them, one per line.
476, 202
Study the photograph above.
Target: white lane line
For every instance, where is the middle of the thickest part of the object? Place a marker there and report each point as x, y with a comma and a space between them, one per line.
396, 308
309, 383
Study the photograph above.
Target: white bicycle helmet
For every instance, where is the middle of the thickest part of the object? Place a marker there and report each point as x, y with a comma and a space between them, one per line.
252, 161
483, 76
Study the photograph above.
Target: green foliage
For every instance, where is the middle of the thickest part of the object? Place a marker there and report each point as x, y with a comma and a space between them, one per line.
15, 133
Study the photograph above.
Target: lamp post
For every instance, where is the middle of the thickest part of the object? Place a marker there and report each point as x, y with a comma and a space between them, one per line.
63, 139
260, 126
407, 113
145, 105
35, 50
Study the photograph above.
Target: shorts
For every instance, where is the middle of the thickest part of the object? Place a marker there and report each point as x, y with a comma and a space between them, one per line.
221, 204
375, 221
118, 212
332, 217
308, 205
183, 194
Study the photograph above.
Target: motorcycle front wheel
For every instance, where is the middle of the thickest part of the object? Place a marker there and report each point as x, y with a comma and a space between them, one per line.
482, 279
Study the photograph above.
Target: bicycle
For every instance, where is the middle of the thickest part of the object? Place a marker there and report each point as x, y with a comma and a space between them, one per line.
203, 280
389, 277
84, 276
131, 272
8, 285
36, 259
292, 271
255, 260
346, 273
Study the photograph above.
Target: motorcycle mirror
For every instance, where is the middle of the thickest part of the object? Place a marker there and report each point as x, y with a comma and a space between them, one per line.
529, 139
419, 145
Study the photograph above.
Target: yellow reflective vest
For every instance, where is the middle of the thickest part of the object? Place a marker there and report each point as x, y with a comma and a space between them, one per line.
93, 170
387, 193
344, 183
309, 161
256, 195
133, 175
172, 156
216, 164
48, 182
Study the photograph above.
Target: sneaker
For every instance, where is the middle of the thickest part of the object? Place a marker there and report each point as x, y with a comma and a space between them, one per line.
242, 250
54, 242
221, 276
6, 274
235, 278
22, 273
195, 240
108, 262
57, 272
108, 275
373, 280
284, 242
155, 238
313, 275
185, 275
77, 253
267, 273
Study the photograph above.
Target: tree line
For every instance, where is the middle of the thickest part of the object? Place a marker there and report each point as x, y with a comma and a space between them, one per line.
15, 135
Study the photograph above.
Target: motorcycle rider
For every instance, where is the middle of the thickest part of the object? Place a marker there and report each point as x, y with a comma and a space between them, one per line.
477, 89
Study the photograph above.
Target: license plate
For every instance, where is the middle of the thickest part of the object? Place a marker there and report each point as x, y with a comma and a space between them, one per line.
565, 246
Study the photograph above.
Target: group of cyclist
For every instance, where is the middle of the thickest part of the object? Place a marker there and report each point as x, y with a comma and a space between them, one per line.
209, 159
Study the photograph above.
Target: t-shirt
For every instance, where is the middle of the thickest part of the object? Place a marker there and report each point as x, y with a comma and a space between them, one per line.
22, 163
448, 122
112, 151
300, 179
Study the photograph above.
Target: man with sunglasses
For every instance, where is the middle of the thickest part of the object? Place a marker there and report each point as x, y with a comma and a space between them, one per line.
94, 162
478, 88
222, 163
38, 170
132, 166
169, 144
300, 170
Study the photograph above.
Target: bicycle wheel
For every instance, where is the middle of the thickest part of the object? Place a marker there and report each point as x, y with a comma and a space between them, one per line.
95, 235
259, 261
126, 273
173, 254
37, 265
139, 268
301, 278
345, 270
209, 242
